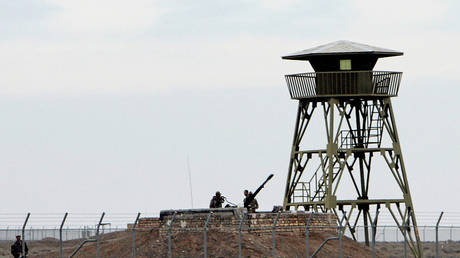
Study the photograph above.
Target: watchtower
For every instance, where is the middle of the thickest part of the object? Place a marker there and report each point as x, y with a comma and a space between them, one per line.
354, 104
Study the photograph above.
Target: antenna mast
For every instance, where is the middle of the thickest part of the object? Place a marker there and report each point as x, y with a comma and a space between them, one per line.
190, 181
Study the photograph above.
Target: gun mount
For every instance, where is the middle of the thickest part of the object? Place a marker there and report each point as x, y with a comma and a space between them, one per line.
251, 197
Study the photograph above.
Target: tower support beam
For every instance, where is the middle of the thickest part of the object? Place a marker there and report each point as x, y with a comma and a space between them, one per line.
354, 132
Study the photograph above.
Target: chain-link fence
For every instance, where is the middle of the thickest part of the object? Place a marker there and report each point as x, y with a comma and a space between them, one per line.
119, 235
385, 233
391, 233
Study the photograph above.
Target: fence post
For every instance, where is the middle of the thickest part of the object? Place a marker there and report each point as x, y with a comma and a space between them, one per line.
98, 244
384, 227
406, 228
357, 233
374, 230
341, 233
169, 235
307, 236
424, 229
239, 234
134, 234
205, 236
24, 235
274, 234
60, 235
437, 229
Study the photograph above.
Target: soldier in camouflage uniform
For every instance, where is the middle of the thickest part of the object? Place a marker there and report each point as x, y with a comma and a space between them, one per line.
216, 201
16, 248
253, 205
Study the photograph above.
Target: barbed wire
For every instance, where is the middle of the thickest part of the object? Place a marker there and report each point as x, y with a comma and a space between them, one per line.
78, 220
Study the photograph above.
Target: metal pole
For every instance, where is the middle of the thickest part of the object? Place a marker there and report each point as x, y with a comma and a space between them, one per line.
98, 244
307, 236
341, 234
60, 234
384, 227
205, 244
405, 243
80, 246
424, 228
322, 245
239, 234
374, 230
405, 225
274, 234
373, 239
134, 234
437, 229
24, 237
190, 181
169, 235
357, 234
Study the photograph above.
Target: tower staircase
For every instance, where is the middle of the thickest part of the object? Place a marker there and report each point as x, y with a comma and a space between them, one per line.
371, 136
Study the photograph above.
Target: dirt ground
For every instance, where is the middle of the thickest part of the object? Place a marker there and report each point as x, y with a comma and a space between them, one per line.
220, 244
396, 249
190, 244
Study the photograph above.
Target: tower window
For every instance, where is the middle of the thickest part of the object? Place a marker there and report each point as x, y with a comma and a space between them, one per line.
345, 64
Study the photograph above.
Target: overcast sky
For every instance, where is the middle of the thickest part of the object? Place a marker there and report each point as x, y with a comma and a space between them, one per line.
102, 101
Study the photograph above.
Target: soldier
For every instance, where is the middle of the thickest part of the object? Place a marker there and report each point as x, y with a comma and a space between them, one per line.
216, 201
250, 202
16, 248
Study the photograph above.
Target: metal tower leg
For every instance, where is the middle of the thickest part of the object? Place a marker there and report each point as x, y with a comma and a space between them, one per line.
297, 162
399, 167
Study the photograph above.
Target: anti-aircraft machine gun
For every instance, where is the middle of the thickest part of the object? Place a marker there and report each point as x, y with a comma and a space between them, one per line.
251, 197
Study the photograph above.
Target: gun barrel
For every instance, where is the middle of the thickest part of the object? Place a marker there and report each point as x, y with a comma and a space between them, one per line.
253, 195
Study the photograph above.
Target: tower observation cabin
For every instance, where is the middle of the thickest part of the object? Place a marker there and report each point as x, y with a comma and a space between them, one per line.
343, 68
354, 103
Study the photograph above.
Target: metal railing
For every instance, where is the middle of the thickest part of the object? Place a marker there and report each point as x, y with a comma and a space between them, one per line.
370, 136
323, 84
315, 188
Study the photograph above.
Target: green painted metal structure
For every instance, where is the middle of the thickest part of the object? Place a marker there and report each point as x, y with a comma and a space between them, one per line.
354, 103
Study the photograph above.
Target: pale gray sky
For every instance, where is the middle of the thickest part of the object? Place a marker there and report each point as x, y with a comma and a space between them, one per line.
102, 101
